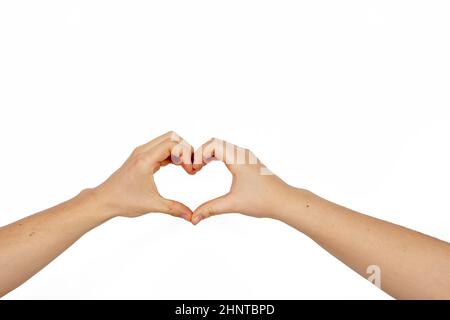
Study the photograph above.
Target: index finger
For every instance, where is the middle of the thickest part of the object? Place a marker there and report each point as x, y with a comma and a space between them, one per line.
211, 150
228, 153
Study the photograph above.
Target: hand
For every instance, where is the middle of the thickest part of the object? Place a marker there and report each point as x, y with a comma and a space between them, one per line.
131, 191
255, 191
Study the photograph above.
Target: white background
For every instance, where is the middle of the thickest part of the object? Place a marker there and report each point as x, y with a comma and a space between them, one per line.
349, 99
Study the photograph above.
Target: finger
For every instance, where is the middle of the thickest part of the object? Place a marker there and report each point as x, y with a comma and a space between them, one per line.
171, 136
198, 157
186, 158
181, 154
161, 152
228, 153
220, 205
173, 208
211, 150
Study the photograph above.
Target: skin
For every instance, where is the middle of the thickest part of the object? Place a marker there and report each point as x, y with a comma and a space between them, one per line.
413, 265
28, 245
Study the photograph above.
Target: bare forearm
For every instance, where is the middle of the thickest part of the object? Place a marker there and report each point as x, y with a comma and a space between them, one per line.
412, 265
28, 245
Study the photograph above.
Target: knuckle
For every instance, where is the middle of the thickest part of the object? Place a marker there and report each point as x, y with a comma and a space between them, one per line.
170, 205
208, 212
211, 211
216, 142
173, 135
187, 148
183, 144
139, 160
175, 147
137, 150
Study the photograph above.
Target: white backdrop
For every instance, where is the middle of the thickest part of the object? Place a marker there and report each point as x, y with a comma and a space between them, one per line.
349, 99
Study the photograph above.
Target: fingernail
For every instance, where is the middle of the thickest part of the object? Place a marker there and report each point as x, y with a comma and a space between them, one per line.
175, 159
197, 219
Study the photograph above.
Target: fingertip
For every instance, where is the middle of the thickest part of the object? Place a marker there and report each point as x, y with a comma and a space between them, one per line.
196, 219
198, 215
188, 168
178, 209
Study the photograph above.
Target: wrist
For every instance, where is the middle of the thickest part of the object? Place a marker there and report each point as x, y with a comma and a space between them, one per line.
293, 202
98, 201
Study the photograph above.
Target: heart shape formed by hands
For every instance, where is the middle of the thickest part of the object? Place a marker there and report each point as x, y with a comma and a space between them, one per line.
252, 185
254, 189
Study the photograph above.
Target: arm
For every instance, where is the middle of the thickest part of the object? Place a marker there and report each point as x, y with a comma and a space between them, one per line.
28, 245
412, 265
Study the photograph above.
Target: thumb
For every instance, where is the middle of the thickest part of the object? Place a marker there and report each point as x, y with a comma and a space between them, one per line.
174, 208
212, 207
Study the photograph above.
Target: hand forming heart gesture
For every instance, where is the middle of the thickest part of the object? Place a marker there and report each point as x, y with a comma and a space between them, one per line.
363, 243
131, 190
